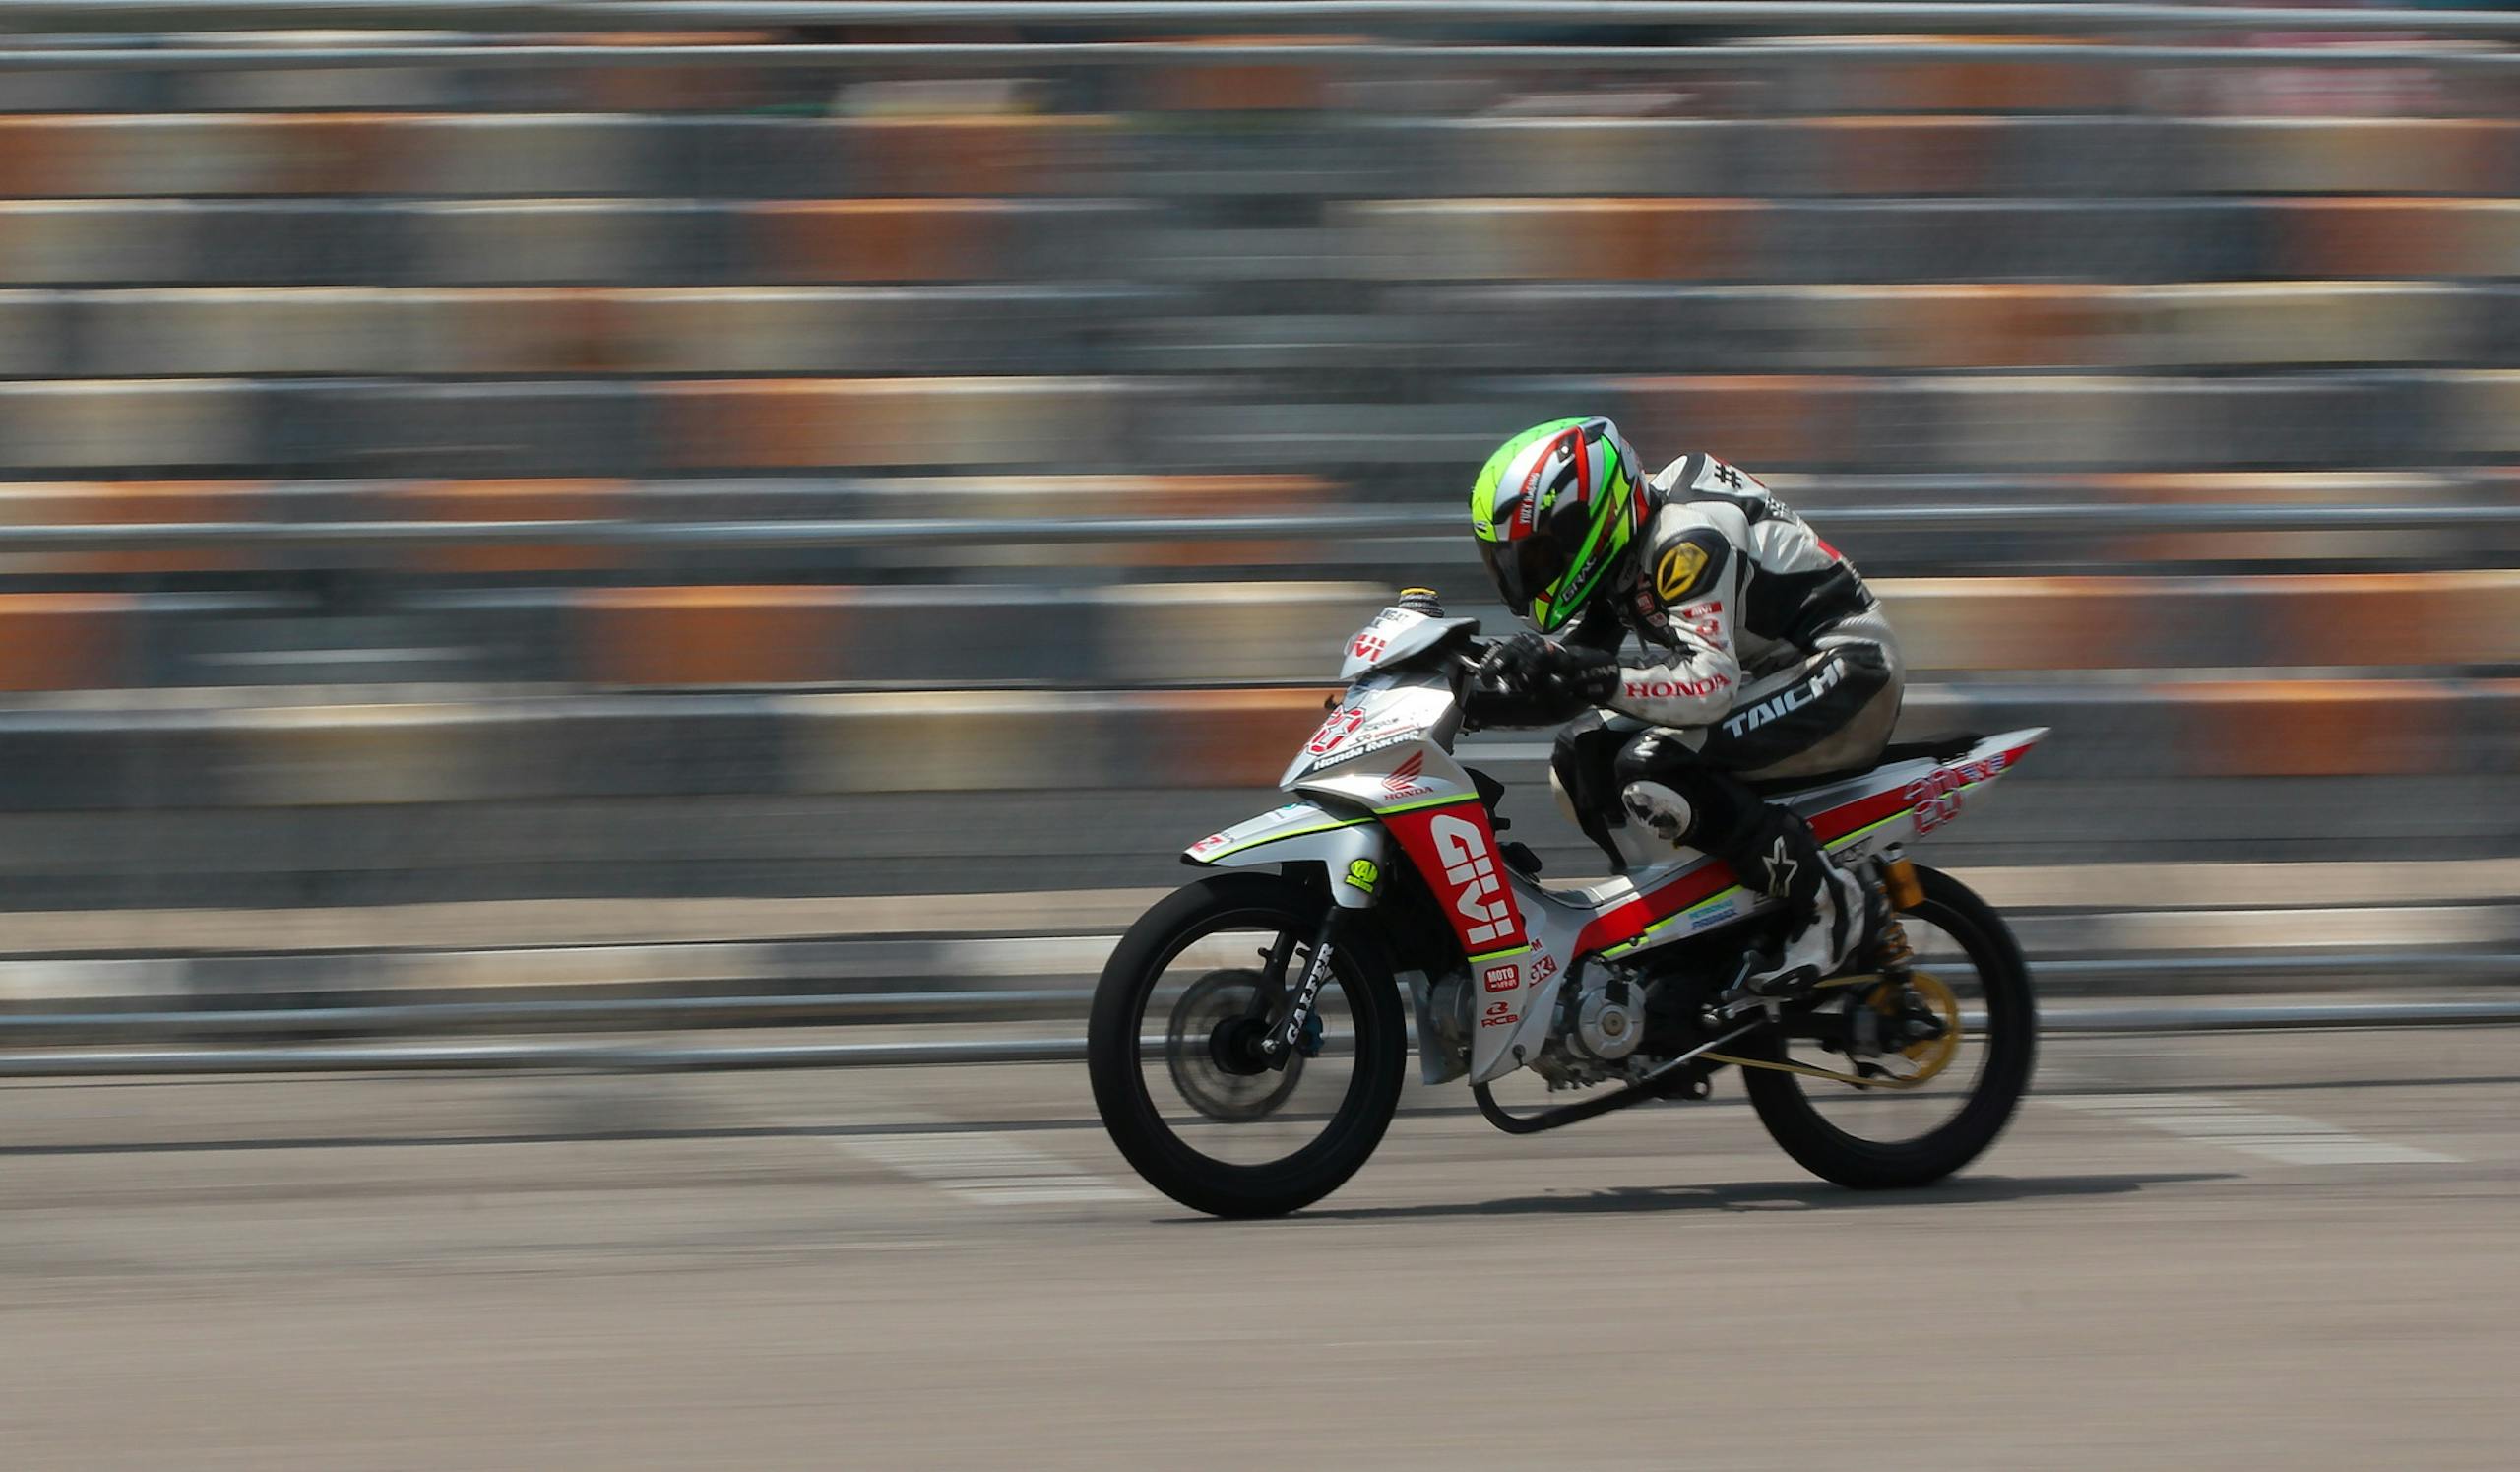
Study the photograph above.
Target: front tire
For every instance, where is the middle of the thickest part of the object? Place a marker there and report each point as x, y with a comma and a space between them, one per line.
1119, 1030
1783, 1100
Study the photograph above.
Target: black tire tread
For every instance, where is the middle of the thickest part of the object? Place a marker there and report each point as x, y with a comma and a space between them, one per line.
2012, 1033
1136, 1127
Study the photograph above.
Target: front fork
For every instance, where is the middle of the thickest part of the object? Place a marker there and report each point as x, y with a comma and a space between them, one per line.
1284, 1036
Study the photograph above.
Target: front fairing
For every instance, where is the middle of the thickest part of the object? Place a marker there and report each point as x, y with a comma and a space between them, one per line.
1383, 710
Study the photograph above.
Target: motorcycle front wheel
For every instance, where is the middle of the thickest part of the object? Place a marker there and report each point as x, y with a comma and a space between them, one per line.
1198, 1114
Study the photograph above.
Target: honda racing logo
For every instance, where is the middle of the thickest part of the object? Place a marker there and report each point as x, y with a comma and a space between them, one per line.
1478, 896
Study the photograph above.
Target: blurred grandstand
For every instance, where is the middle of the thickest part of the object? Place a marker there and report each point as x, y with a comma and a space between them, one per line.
909, 453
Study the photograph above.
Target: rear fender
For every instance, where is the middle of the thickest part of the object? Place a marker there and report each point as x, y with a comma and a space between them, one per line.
1934, 796
1352, 850
1905, 801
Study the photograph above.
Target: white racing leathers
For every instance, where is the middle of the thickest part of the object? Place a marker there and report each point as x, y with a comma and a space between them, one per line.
1759, 639
1764, 655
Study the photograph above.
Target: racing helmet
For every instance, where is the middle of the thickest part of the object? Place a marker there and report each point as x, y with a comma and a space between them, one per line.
1554, 509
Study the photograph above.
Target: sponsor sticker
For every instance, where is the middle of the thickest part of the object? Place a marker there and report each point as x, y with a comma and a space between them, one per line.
1403, 781
1369, 646
1706, 620
1452, 846
1672, 689
1503, 978
1363, 874
1677, 574
1752, 717
1341, 725
1383, 743
1499, 1014
1935, 799
1469, 864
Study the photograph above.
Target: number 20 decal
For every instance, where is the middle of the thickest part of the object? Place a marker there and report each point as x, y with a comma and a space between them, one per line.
1935, 800
1932, 805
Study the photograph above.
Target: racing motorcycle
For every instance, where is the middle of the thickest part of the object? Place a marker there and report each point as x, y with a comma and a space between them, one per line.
1250, 1031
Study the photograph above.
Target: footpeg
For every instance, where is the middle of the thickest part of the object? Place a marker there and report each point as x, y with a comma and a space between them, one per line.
1758, 983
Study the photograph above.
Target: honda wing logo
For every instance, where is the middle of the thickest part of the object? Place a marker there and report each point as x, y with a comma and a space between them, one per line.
1403, 781
1469, 867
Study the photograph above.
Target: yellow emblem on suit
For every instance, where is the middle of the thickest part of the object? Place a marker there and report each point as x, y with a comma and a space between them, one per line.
1679, 570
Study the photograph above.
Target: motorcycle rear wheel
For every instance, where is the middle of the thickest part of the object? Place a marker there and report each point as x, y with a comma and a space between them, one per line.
1121, 1030
1783, 1100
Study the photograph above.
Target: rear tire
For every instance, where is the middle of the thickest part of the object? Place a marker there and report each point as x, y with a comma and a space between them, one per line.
2011, 1038
1114, 1052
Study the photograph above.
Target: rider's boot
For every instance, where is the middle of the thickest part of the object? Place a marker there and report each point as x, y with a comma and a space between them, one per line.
1773, 851
1831, 911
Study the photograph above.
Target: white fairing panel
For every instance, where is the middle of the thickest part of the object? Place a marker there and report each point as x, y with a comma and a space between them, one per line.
1301, 833
1394, 635
1378, 713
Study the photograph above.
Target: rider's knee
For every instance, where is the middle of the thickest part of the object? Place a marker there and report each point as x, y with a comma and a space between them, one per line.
1662, 809
1665, 783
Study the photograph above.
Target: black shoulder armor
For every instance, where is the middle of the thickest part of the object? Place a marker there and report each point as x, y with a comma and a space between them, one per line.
1682, 567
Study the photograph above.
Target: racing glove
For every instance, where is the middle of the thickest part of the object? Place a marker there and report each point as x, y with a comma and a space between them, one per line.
1546, 670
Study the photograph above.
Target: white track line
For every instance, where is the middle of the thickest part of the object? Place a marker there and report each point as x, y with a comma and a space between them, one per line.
985, 1170
2288, 1138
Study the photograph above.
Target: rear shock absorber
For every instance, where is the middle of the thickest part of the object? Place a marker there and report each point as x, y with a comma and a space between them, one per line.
1891, 951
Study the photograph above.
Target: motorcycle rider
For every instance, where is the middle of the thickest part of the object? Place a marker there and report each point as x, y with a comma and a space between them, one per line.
1764, 655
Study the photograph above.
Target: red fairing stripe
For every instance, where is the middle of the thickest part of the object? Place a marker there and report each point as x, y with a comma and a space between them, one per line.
1631, 920
1455, 848
1863, 812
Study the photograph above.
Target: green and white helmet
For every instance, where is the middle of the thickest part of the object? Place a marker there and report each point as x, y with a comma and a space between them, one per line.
1554, 509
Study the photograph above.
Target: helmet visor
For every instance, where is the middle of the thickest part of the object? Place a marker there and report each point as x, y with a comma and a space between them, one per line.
1525, 569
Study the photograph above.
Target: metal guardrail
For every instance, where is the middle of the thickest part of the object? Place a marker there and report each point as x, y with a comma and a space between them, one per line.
612, 1013
91, 1063
1362, 56
2041, 17
657, 1013
1353, 526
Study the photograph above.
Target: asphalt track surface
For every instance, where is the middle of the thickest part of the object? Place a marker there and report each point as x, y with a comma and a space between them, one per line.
2246, 1250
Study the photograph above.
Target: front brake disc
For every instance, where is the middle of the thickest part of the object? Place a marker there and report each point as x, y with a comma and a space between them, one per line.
1222, 1089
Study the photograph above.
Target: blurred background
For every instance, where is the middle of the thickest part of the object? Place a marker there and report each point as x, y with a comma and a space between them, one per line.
643, 501
549, 534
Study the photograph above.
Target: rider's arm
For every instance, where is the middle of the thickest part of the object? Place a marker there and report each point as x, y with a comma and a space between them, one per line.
1693, 575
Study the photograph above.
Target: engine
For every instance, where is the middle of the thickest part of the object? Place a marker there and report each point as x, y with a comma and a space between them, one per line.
1597, 1027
